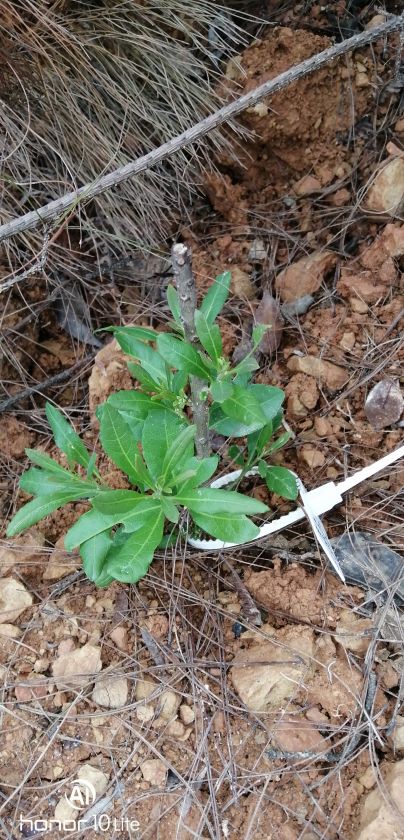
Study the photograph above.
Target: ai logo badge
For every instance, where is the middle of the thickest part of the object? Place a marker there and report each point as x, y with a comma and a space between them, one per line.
82, 794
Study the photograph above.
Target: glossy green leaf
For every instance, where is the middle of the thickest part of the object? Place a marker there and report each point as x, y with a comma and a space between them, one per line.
130, 562
221, 390
281, 441
227, 527
42, 460
246, 366
140, 333
181, 449
117, 502
216, 297
209, 336
202, 470
118, 442
159, 432
93, 554
66, 439
173, 301
38, 508
88, 526
243, 407
225, 426
281, 481
43, 482
210, 500
258, 333
150, 360
180, 354
257, 441
269, 398
179, 381
132, 402
169, 509
236, 455
144, 378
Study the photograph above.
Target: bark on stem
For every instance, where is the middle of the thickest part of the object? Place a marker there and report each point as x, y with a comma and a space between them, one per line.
185, 282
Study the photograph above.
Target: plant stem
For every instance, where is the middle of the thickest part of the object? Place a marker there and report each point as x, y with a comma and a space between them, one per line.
185, 281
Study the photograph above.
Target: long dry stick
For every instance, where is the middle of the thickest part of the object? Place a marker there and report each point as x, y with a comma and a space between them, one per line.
191, 135
185, 281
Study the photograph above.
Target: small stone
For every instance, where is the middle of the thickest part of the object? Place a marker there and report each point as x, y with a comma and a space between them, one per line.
386, 193
312, 457
187, 714
353, 632
14, 599
176, 729
322, 427
65, 811
379, 819
23, 549
94, 776
119, 636
61, 562
305, 276
399, 126
168, 704
340, 198
361, 284
358, 305
347, 341
26, 693
297, 307
75, 668
10, 631
376, 20
384, 404
145, 713
333, 376
111, 692
258, 251
307, 185
362, 80
144, 688
155, 772
294, 734
241, 284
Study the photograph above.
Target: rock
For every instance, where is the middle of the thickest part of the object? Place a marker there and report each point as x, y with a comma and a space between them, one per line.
154, 771
75, 668
168, 704
340, 198
14, 599
23, 549
265, 687
347, 341
294, 734
94, 776
362, 284
26, 693
333, 376
311, 456
268, 312
241, 284
392, 239
368, 563
302, 393
378, 819
398, 734
55, 569
386, 193
399, 126
110, 691
353, 632
307, 185
384, 404
144, 688
187, 714
297, 307
304, 276
258, 251
176, 729
119, 636
376, 20
145, 713
65, 811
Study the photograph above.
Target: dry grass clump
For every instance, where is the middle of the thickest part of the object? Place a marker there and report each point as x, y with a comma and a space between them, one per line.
88, 86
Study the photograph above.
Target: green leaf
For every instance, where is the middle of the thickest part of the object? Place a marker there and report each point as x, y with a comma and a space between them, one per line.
66, 439
225, 426
182, 448
37, 509
281, 481
258, 333
209, 336
281, 441
180, 354
246, 366
173, 301
93, 554
216, 297
209, 500
160, 430
118, 442
43, 460
179, 381
117, 502
43, 482
236, 455
202, 470
91, 466
243, 407
269, 398
256, 441
221, 390
150, 360
169, 509
88, 526
224, 526
141, 333
144, 378
130, 562
133, 402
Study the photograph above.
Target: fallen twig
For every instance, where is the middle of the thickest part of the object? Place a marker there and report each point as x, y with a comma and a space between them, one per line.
48, 383
68, 202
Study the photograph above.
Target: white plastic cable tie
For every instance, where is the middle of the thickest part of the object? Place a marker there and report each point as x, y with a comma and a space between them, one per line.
314, 503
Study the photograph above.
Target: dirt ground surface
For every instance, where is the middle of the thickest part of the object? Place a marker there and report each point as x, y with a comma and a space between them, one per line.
188, 720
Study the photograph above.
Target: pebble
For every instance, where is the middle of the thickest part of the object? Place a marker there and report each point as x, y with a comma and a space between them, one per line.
187, 714
305, 276
168, 704
297, 307
258, 251
94, 776
25, 548
119, 636
386, 193
378, 818
111, 692
241, 284
327, 373
61, 562
384, 404
14, 599
155, 772
74, 668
